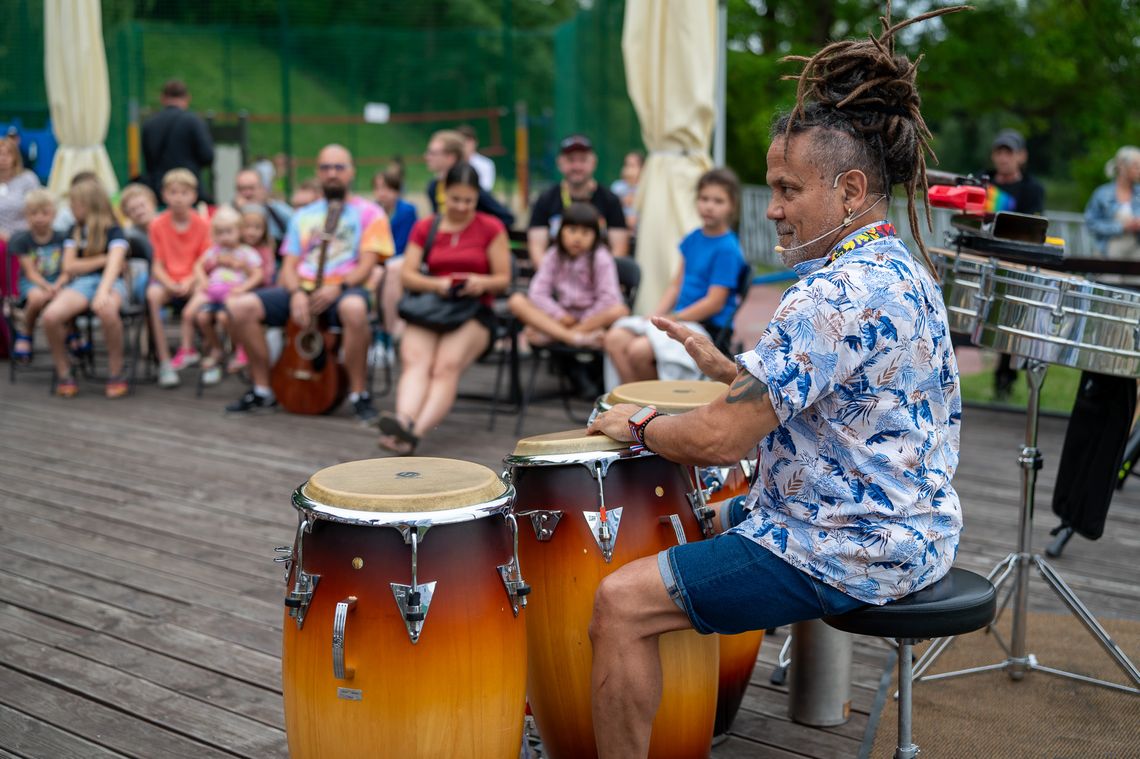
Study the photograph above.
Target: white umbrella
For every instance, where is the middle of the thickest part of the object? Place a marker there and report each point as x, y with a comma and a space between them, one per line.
75, 66
670, 50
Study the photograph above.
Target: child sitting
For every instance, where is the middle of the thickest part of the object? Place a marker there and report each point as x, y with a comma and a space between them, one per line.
179, 235
39, 249
574, 296
702, 295
228, 267
94, 257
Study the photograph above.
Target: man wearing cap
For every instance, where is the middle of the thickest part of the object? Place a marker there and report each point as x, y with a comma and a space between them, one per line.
1011, 189
577, 162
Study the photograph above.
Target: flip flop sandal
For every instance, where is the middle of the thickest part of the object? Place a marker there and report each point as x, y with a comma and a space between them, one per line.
390, 425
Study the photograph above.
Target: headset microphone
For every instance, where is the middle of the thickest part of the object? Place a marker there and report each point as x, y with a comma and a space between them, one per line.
780, 249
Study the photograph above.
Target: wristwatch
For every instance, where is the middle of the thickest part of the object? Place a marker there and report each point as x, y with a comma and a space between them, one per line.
640, 420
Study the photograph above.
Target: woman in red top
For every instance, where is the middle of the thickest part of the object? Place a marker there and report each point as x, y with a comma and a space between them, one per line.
469, 256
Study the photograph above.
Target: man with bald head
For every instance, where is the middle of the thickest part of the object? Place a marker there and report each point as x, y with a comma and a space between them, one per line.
362, 237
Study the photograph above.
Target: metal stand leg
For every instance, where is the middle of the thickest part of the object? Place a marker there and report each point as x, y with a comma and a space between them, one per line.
905, 749
1018, 661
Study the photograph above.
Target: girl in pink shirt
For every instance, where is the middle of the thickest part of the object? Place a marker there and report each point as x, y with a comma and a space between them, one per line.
574, 296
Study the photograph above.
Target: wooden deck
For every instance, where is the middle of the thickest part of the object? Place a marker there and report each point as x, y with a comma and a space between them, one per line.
140, 610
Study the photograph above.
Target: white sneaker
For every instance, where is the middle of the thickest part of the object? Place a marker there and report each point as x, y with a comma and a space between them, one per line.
167, 377
212, 375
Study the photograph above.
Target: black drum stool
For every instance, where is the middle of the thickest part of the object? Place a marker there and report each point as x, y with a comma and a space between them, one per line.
959, 603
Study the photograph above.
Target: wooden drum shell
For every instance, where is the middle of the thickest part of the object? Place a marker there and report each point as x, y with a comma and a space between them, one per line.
459, 691
565, 572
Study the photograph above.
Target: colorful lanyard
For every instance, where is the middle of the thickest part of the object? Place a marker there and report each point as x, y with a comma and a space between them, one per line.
880, 230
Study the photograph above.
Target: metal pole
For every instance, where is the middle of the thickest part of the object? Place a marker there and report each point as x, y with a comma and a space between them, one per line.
286, 103
721, 81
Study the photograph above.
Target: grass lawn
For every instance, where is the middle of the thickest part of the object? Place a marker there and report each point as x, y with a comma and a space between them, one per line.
1057, 393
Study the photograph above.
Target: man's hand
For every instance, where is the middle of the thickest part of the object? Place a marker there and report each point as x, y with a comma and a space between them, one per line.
710, 361
321, 299
615, 422
299, 309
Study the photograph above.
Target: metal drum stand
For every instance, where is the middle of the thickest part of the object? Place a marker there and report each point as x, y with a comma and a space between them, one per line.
1018, 661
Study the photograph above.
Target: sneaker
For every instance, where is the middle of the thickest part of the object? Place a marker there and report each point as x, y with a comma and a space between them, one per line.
117, 387
167, 376
211, 375
365, 412
238, 362
251, 402
184, 358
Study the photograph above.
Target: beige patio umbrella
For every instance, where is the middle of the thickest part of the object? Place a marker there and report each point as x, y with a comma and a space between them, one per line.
75, 67
670, 50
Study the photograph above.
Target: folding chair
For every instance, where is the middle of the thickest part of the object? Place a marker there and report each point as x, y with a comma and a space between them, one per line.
722, 337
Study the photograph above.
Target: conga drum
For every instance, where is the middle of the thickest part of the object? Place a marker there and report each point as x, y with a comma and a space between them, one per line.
712, 486
402, 632
587, 505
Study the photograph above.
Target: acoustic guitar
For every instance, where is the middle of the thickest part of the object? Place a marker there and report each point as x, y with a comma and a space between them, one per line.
307, 378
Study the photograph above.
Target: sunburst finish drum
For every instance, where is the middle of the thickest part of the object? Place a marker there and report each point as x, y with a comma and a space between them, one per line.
402, 632
587, 505
717, 484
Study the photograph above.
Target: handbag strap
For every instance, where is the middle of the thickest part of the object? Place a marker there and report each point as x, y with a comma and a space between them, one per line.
429, 242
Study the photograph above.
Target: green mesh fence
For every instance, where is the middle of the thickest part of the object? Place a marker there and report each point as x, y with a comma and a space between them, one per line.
300, 83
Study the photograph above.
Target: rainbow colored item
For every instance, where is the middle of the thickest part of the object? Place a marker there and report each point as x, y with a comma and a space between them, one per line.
864, 236
998, 199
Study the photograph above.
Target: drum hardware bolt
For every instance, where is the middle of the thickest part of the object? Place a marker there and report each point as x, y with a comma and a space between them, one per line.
603, 523
357, 563
304, 584
287, 559
678, 529
544, 523
1136, 338
511, 572
413, 600
659, 491
698, 501
340, 619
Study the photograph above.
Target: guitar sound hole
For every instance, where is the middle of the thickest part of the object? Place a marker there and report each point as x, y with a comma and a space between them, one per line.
309, 344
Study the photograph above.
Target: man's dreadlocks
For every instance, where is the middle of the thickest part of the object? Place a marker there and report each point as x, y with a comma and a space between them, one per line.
863, 98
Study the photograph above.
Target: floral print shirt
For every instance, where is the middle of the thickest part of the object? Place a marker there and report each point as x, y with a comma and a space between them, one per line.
854, 485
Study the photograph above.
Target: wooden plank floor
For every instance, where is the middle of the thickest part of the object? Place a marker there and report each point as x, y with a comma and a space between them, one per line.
140, 610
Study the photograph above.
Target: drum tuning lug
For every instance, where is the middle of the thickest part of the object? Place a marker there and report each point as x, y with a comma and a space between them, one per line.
298, 599
605, 531
678, 528
544, 523
511, 574
413, 602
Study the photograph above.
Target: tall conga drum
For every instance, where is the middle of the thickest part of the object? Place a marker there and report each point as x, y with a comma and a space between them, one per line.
402, 631
587, 505
715, 484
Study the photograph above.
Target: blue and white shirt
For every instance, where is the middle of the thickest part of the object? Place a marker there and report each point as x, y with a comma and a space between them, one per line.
854, 485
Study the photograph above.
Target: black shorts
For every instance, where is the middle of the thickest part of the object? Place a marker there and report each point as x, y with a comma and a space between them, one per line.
275, 301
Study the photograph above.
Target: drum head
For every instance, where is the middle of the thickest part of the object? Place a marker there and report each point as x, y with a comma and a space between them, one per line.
669, 396
404, 484
570, 441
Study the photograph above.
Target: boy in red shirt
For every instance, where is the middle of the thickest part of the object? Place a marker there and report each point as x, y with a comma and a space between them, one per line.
179, 236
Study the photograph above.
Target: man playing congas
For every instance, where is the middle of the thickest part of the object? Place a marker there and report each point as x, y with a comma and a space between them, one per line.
852, 390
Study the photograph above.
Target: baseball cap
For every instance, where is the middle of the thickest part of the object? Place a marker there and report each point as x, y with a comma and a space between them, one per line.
1009, 138
575, 142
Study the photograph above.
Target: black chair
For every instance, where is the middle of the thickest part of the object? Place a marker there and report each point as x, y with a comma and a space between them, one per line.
133, 313
959, 603
563, 358
722, 336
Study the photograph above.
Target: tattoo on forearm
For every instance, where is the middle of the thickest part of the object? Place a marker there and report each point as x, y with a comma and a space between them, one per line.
746, 388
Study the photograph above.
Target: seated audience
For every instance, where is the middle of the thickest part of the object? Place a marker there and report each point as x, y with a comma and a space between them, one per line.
445, 150
386, 188
467, 256
94, 256
39, 250
251, 187
483, 165
305, 193
702, 294
178, 236
1113, 211
626, 187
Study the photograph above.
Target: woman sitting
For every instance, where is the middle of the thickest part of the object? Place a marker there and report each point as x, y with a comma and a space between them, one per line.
466, 257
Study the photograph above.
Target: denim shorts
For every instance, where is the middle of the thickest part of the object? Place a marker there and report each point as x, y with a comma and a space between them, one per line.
89, 283
275, 301
731, 584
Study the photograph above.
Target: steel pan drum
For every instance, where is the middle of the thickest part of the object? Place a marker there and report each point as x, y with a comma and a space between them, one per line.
964, 281
402, 635
565, 482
